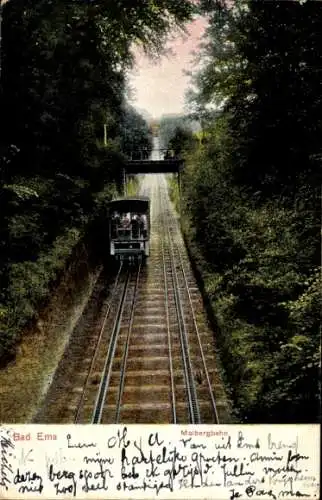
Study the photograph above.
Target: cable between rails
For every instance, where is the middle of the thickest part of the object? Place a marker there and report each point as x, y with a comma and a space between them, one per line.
188, 373
213, 402
173, 398
214, 406
127, 345
102, 391
98, 341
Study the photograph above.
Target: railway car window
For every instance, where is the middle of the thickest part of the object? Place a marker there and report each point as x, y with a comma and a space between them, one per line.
126, 219
144, 225
115, 223
135, 226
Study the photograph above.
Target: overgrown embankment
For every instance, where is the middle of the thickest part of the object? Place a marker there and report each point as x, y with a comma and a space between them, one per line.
264, 308
251, 201
49, 296
40, 343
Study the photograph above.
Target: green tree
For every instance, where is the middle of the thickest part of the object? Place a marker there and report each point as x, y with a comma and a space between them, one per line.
64, 70
252, 197
169, 125
181, 141
136, 136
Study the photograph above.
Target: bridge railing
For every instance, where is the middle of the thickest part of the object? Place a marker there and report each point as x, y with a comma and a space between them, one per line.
155, 154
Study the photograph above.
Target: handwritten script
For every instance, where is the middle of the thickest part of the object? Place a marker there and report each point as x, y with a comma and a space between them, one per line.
215, 462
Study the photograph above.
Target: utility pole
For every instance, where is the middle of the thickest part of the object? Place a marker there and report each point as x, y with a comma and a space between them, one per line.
0, 37
2, 2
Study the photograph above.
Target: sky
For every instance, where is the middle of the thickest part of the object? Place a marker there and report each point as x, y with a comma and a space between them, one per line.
159, 87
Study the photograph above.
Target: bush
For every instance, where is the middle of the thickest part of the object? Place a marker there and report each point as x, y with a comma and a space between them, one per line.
258, 272
29, 286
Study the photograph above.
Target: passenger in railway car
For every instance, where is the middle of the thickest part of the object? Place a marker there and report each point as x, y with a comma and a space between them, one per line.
143, 225
126, 219
135, 225
169, 154
115, 216
115, 223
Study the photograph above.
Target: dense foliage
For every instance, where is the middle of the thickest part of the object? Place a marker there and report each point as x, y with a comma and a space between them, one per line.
252, 201
136, 135
176, 125
64, 123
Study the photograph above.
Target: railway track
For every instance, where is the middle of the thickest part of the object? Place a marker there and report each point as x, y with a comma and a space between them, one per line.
108, 362
202, 400
152, 360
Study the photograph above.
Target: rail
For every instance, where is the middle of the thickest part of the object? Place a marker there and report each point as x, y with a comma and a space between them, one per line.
175, 284
101, 395
144, 339
186, 359
173, 396
214, 406
97, 345
127, 345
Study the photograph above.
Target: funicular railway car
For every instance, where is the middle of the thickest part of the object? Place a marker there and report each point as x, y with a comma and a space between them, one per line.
129, 227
